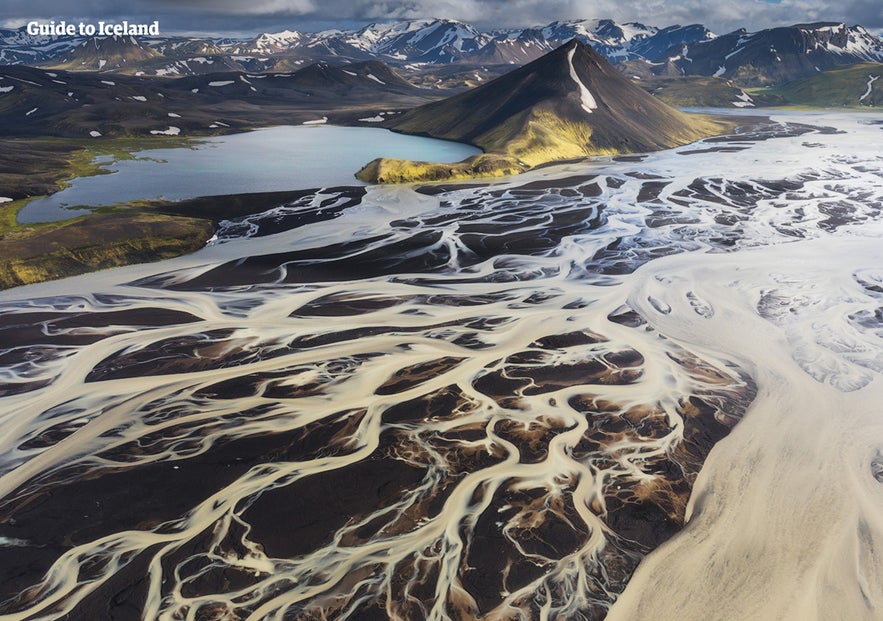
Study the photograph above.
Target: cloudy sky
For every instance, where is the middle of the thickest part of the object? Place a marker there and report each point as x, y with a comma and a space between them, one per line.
252, 16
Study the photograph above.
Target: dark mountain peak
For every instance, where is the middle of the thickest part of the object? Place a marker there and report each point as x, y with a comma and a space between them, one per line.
579, 64
572, 84
561, 75
568, 104
572, 52
370, 75
584, 50
321, 73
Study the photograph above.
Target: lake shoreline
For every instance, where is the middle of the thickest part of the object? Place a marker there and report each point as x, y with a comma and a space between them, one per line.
268, 159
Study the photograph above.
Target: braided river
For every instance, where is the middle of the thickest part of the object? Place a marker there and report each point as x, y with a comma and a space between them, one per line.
643, 387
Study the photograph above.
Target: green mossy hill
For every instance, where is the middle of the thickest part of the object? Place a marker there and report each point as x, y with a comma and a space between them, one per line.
835, 88
567, 105
31, 255
391, 170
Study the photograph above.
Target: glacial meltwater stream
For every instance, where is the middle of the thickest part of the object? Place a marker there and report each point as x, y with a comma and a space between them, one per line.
645, 388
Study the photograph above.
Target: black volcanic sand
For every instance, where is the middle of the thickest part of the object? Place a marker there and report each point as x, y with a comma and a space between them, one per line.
417, 249
304, 515
760, 129
228, 206
299, 518
29, 329
237, 206
34, 337
60, 515
713, 150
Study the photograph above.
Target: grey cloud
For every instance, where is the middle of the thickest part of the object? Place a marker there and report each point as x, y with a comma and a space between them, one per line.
868, 13
215, 15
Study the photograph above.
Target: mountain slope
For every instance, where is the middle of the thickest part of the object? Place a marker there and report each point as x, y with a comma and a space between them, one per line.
517, 48
859, 85
35, 102
569, 104
779, 55
655, 47
107, 53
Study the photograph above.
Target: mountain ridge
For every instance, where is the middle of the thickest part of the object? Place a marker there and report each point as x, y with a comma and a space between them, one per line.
423, 41
778, 55
429, 49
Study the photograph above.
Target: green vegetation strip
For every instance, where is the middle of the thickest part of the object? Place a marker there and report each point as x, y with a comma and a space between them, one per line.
97, 242
117, 235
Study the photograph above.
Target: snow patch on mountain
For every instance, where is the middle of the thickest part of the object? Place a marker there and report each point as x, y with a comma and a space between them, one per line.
587, 101
871, 80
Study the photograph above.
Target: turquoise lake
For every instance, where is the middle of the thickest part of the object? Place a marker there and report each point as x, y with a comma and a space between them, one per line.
266, 160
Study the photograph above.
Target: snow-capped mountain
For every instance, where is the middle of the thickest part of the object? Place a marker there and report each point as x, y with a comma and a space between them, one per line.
185, 48
516, 47
606, 36
17, 47
431, 41
656, 46
423, 40
618, 42
265, 43
778, 55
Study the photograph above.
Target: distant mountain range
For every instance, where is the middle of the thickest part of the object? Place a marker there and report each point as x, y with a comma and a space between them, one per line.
691, 50
437, 46
425, 41
779, 55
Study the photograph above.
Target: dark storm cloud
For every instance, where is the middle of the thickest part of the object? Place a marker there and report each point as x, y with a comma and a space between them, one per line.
239, 15
868, 13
